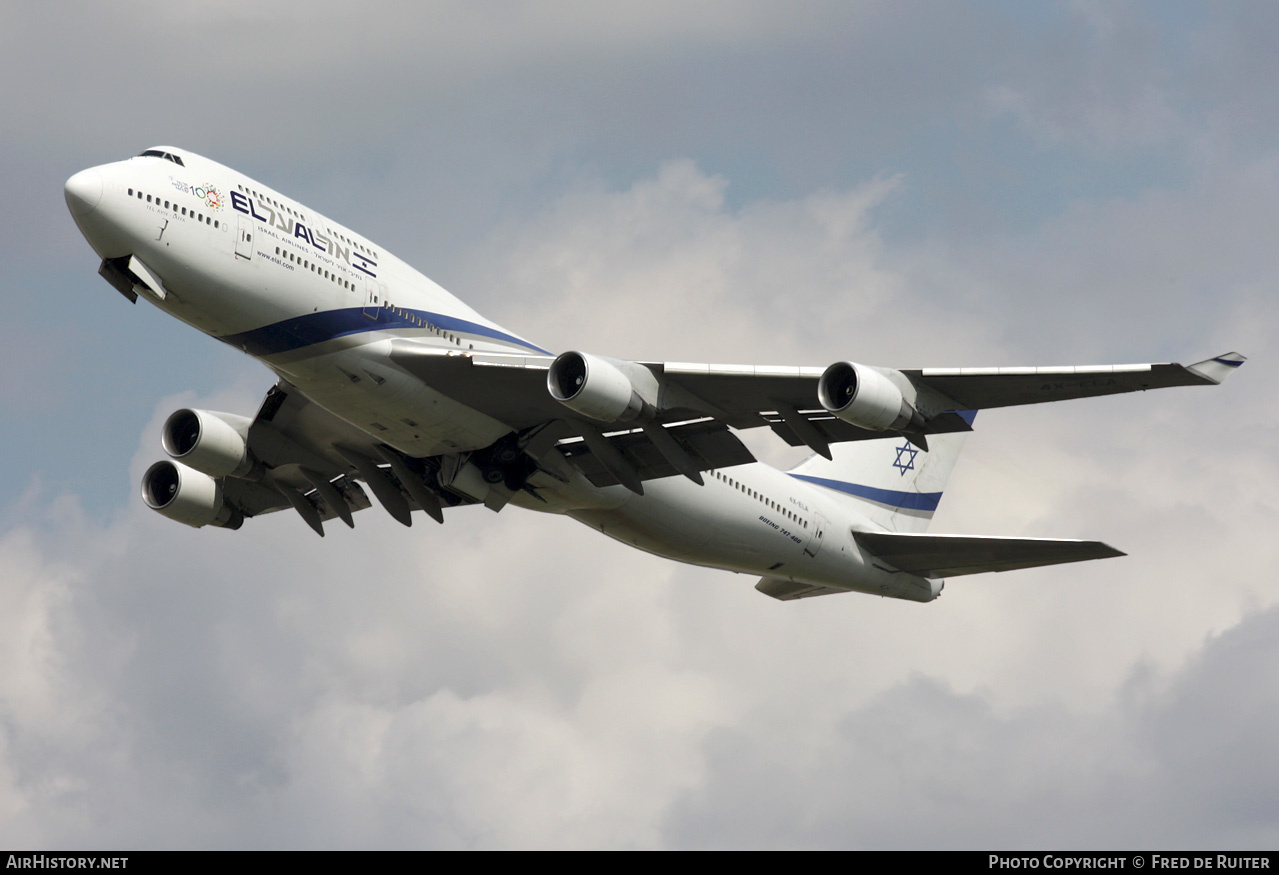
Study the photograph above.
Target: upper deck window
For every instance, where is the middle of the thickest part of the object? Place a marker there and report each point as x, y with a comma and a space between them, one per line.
167, 156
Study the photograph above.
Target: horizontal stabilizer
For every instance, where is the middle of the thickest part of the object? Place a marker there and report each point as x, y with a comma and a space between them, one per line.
955, 555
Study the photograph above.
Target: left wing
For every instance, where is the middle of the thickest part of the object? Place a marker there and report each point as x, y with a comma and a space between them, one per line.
294, 453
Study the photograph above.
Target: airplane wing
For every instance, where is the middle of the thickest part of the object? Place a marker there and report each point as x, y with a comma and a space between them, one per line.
312, 461
744, 392
315, 458
512, 389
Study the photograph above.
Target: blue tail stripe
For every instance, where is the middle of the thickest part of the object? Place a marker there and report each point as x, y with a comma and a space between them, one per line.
927, 501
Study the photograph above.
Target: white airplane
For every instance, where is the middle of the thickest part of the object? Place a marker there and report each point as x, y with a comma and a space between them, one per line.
386, 378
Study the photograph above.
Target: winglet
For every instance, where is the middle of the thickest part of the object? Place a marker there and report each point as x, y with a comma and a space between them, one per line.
1219, 367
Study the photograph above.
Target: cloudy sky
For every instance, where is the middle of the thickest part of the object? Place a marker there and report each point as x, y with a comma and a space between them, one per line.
906, 184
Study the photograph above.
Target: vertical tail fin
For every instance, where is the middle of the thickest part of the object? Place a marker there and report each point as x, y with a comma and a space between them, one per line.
891, 481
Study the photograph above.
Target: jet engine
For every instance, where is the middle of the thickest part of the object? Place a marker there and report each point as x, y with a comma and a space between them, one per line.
864, 397
594, 387
188, 496
212, 442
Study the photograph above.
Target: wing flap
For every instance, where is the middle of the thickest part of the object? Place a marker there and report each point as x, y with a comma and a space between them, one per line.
709, 443
837, 431
956, 555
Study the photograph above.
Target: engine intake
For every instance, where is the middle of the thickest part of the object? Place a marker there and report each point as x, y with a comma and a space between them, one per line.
188, 496
594, 387
864, 397
212, 442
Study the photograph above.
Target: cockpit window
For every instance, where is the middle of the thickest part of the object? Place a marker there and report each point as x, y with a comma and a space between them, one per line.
167, 156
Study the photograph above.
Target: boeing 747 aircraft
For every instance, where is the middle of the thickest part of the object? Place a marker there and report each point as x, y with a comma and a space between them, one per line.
385, 381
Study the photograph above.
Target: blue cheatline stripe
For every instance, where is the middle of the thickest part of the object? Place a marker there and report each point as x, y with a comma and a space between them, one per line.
313, 328
893, 498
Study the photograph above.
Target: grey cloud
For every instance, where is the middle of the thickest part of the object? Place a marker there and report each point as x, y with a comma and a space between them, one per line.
1187, 764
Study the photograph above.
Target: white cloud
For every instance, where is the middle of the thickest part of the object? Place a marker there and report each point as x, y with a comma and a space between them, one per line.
923, 766
666, 268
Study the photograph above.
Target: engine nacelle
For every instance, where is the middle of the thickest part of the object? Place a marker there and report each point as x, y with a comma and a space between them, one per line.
215, 443
188, 496
864, 397
594, 387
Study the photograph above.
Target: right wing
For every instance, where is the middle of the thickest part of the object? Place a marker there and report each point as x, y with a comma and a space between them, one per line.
303, 457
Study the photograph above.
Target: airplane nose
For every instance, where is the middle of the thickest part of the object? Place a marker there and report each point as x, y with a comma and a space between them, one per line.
83, 191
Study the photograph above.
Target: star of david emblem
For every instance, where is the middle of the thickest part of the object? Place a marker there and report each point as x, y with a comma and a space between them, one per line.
909, 453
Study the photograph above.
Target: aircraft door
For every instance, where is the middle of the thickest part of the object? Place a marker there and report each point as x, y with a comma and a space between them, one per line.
818, 531
372, 299
244, 239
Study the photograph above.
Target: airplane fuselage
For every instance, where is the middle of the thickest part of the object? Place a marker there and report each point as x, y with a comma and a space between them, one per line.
321, 306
